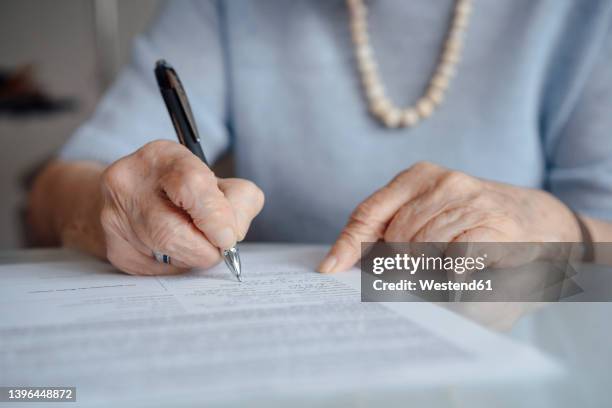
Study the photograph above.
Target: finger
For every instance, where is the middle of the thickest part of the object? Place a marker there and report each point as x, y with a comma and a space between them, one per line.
451, 227
192, 186
448, 224
366, 224
369, 220
413, 216
124, 256
448, 191
166, 229
246, 199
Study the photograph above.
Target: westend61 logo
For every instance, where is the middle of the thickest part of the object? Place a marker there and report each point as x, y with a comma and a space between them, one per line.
412, 264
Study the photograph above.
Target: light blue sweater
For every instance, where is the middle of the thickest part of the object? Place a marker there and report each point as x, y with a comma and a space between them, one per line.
276, 81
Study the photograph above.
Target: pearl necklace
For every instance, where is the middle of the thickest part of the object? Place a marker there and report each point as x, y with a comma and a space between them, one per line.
380, 105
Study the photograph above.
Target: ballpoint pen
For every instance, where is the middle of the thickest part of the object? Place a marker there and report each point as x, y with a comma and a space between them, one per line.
182, 118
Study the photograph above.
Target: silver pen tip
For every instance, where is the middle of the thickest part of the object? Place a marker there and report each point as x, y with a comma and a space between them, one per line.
232, 260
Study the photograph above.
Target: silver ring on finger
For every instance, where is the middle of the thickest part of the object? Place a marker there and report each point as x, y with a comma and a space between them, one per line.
161, 258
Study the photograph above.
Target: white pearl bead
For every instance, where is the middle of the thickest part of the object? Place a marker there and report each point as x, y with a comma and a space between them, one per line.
456, 34
368, 67
446, 69
464, 7
370, 79
435, 95
358, 12
424, 107
358, 25
391, 117
380, 105
460, 21
450, 57
364, 52
409, 117
453, 46
360, 38
375, 91
440, 81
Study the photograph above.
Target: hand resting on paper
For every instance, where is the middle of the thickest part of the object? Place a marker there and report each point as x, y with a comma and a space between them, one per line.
429, 203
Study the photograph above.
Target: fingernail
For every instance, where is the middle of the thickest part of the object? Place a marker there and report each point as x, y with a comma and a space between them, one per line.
224, 238
328, 264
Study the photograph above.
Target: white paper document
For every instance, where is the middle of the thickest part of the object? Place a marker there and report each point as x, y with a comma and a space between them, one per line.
284, 332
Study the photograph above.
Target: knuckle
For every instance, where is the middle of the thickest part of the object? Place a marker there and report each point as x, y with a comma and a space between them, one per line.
165, 155
419, 168
194, 174
363, 220
151, 151
199, 179
114, 177
362, 214
185, 187
402, 176
424, 166
455, 179
349, 237
157, 146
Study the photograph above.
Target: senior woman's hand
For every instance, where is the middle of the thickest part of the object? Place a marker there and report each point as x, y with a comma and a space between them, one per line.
428, 203
161, 198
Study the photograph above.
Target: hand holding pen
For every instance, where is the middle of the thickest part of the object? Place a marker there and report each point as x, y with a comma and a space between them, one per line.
163, 199
163, 211
224, 238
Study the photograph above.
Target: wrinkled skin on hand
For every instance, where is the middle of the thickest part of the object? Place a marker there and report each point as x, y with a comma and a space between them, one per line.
163, 198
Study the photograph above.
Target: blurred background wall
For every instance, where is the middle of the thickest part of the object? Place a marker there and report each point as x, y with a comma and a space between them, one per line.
75, 48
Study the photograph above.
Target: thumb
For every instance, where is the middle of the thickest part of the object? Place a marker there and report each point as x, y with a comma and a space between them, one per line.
246, 199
